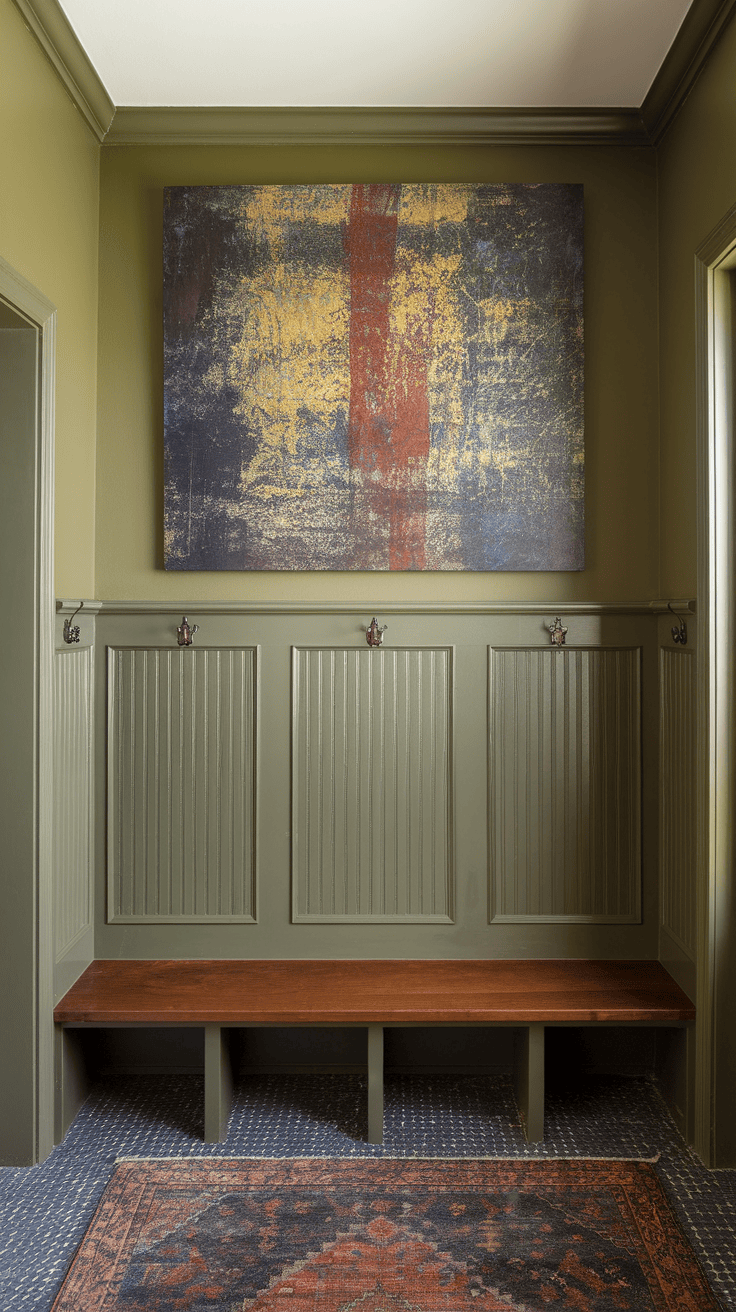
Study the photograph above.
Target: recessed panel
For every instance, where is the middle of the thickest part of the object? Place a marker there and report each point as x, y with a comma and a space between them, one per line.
678, 797
372, 784
181, 784
565, 798
72, 869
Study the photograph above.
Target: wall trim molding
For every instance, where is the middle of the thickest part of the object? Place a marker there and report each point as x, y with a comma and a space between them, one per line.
678, 962
68, 607
25, 298
368, 125
196, 608
51, 28
701, 29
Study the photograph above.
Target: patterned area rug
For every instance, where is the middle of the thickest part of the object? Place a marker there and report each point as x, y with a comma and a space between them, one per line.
328, 1235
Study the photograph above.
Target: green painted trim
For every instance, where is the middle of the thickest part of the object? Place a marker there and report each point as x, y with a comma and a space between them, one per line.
218, 1083
50, 26
704, 1115
31, 304
681, 604
23, 297
564, 920
374, 1062
701, 29
198, 608
72, 1078
529, 1080
369, 125
46, 449
678, 961
366, 125
88, 607
714, 670
305, 919
114, 919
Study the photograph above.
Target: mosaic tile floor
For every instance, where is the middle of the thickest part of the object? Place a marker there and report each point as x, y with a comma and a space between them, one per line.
44, 1210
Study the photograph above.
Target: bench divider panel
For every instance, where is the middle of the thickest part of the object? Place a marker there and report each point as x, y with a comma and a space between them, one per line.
375, 1083
529, 1080
218, 1083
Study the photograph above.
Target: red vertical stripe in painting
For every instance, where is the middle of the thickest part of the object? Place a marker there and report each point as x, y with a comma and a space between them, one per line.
388, 427
371, 248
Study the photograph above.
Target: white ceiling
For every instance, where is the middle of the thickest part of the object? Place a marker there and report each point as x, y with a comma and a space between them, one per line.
377, 52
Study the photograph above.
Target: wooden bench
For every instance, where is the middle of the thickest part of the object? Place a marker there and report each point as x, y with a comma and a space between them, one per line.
221, 996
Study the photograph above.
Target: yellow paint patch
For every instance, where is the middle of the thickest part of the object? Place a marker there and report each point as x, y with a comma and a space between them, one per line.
267, 491
267, 212
432, 203
289, 367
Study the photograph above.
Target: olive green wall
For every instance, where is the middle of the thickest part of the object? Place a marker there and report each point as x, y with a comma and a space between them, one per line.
621, 386
697, 186
49, 218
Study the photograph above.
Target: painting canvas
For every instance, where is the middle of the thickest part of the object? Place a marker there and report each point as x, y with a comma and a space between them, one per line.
374, 377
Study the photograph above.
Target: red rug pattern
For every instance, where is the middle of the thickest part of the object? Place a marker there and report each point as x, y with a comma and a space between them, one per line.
378, 1235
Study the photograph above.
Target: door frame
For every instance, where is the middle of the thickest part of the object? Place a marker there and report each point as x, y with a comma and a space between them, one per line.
38, 539
716, 658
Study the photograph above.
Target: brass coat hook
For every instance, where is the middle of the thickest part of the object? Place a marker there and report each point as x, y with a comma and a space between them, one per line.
679, 630
374, 633
557, 632
71, 631
185, 632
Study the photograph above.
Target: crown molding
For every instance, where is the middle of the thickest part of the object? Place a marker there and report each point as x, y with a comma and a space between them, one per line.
364, 125
335, 125
701, 29
50, 26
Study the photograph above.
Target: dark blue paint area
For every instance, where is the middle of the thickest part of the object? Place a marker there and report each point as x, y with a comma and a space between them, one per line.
200, 240
314, 245
322, 450
207, 445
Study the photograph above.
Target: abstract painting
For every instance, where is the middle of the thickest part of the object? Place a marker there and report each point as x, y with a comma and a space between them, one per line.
374, 376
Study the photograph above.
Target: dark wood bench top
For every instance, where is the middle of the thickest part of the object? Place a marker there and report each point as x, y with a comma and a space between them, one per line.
379, 992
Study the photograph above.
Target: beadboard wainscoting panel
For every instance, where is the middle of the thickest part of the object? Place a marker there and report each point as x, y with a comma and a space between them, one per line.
182, 784
72, 797
434, 788
678, 797
565, 784
372, 836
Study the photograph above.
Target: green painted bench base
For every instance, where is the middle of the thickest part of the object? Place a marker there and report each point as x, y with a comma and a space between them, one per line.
221, 996
219, 1078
